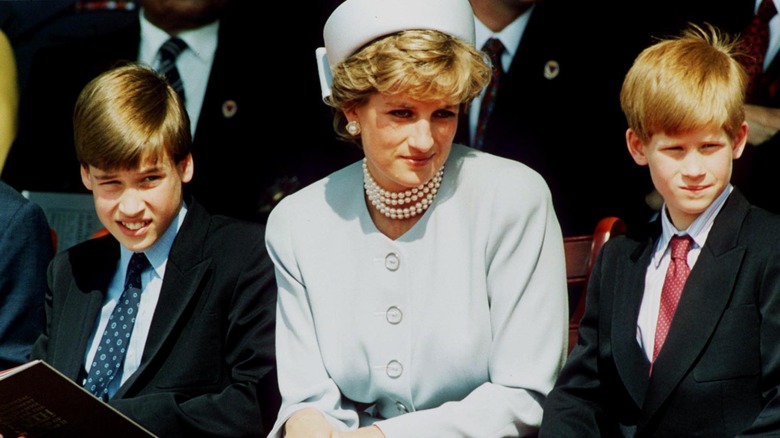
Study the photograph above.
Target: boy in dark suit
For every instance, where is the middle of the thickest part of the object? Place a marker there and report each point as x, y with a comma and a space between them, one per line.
200, 356
680, 334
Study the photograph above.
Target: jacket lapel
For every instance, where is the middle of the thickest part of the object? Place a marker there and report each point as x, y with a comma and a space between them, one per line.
704, 299
630, 360
93, 270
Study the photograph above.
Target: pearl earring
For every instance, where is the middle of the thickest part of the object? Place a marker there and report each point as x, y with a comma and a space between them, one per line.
353, 128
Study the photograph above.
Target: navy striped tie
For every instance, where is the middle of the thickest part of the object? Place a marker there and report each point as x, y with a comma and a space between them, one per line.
169, 51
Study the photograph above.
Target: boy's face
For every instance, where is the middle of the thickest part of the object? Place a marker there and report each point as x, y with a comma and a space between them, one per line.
137, 206
689, 170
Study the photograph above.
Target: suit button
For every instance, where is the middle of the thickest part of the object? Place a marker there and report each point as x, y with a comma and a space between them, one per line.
392, 262
394, 369
401, 407
394, 315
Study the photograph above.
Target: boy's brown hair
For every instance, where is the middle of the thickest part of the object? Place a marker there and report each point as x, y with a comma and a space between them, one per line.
127, 116
685, 83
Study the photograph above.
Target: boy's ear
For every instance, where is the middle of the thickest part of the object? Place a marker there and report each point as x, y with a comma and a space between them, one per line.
186, 168
85, 176
740, 141
636, 147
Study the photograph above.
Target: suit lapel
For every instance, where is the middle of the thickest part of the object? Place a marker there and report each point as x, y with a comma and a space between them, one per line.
93, 270
703, 301
630, 361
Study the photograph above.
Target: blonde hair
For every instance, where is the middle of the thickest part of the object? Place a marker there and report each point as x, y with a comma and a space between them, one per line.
685, 83
423, 64
127, 116
9, 97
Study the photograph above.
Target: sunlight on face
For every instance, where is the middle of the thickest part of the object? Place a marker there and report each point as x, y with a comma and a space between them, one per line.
136, 206
689, 170
405, 140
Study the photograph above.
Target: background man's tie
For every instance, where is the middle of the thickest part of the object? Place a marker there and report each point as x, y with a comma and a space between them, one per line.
755, 42
169, 51
494, 49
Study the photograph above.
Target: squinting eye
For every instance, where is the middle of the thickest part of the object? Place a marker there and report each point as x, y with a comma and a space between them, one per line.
445, 114
404, 114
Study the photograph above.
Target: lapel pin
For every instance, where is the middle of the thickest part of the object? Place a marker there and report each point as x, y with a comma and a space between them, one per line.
551, 69
229, 108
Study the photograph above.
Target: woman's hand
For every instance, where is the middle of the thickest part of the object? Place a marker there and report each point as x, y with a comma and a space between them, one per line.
308, 423
764, 123
363, 432
311, 423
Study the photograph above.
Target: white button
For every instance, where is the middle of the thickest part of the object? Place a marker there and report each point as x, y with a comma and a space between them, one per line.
394, 315
394, 369
401, 407
392, 261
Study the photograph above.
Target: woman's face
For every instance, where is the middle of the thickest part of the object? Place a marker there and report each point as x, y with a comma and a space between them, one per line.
405, 140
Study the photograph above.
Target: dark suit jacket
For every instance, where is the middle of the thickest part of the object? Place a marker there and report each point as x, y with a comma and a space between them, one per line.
226, 181
718, 374
26, 248
569, 126
208, 366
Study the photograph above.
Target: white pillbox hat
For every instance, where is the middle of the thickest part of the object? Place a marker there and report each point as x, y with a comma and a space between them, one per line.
356, 23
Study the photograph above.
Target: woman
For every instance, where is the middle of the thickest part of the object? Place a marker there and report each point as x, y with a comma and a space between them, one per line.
9, 97
421, 291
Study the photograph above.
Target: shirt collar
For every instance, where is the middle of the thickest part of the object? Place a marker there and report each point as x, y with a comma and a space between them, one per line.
510, 35
698, 230
157, 254
202, 41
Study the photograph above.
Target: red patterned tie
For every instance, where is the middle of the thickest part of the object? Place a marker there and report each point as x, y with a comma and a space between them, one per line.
755, 43
494, 49
676, 275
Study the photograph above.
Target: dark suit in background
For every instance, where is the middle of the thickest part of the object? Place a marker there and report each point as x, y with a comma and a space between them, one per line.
208, 366
229, 179
718, 374
31, 25
558, 111
26, 248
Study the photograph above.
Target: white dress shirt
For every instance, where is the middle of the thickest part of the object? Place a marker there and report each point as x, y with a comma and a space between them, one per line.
194, 63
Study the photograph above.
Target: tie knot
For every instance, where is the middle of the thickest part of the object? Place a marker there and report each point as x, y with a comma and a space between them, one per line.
494, 49
766, 10
680, 246
138, 262
172, 48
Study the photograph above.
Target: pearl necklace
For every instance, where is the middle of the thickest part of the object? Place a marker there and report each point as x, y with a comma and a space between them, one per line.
401, 205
